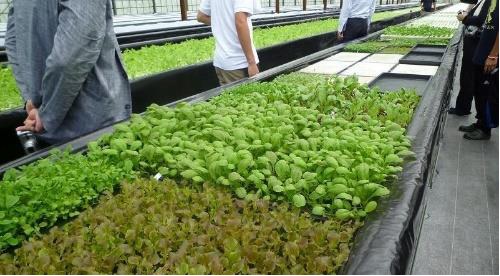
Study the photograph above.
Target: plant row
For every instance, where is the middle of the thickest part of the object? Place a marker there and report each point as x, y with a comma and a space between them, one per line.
9, 96
420, 31
326, 145
154, 227
154, 59
392, 46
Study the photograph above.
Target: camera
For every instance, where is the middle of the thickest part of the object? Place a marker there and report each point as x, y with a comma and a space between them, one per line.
28, 141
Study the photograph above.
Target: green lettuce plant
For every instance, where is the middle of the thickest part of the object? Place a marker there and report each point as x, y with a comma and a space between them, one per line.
165, 228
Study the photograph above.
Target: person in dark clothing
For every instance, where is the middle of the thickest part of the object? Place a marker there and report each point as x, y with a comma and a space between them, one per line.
473, 21
428, 5
354, 20
485, 61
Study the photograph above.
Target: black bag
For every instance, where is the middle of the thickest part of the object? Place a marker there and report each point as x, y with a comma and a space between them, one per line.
473, 32
491, 109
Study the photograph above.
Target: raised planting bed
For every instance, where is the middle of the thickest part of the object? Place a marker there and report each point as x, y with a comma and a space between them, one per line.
164, 135
193, 79
394, 81
277, 141
155, 59
139, 39
393, 46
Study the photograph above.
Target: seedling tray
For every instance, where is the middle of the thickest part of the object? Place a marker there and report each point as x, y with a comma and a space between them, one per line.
417, 58
426, 48
395, 81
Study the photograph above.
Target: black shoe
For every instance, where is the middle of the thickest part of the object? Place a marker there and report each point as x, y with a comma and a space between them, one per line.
477, 134
469, 128
456, 111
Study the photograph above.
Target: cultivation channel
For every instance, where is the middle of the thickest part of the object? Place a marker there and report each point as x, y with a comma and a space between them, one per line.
173, 66
308, 168
137, 32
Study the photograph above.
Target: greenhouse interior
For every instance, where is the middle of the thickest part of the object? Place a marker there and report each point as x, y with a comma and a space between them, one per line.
249, 137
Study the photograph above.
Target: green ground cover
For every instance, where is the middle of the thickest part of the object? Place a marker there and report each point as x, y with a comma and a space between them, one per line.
154, 59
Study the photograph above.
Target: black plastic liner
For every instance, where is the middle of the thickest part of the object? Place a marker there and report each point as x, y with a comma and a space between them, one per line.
11, 147
387, 242
396, 81
422, 58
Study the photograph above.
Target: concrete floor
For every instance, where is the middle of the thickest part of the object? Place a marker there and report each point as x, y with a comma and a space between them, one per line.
460, 229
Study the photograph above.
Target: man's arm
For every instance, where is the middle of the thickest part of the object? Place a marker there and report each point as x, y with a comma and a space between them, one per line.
205, 12
372, 11
203, 18
11, 49
344, 15
492, 60
241, 21
77, 46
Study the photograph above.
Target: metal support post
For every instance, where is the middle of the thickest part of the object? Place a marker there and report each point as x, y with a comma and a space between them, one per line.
183, 4
277, 6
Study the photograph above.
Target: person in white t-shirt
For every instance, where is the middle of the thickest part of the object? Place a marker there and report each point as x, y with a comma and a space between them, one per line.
235, 55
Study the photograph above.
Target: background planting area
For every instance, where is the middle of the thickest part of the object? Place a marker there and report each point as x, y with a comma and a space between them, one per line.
400, 39
266, 178
155, 59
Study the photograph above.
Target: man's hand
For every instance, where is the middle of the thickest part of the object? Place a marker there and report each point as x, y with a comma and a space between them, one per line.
253, 70
33, 123
490, 64
203, 18
340, 35
29, 106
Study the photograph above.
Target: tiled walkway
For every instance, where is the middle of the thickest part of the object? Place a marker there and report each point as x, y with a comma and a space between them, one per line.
460, 229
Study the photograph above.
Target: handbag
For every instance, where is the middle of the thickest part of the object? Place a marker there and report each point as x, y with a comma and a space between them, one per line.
490, 86
473, 32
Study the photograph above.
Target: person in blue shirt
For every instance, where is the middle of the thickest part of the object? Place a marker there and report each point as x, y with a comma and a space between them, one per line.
355, 18
486, 94
66, 61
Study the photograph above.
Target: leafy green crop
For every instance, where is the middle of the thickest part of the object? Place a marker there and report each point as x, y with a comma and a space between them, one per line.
165, 228
325, 144
9, 95
154, 59
35, 197
420, 31
393, 46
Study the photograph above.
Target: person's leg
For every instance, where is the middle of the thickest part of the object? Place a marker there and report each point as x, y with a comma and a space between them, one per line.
481, 131
229, 76
477, 74
465, 96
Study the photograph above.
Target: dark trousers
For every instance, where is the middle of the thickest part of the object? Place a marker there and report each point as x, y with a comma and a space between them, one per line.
355, 28
468, 76
427, 6
486, 99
